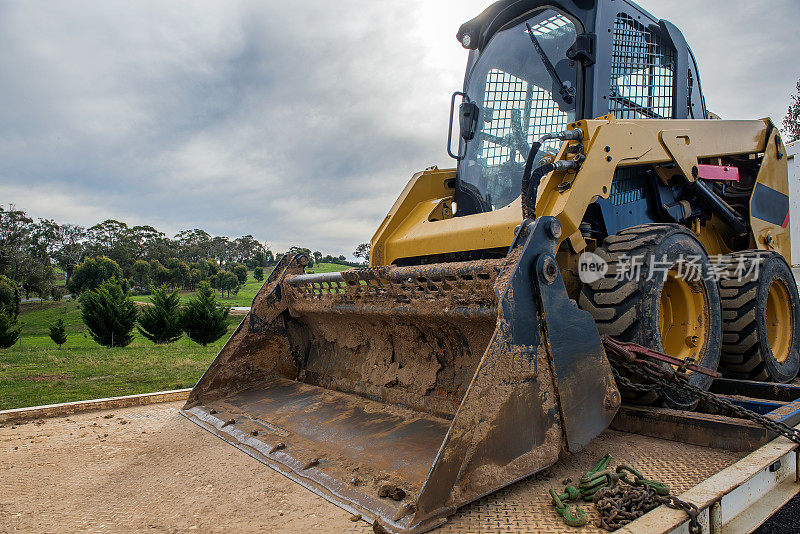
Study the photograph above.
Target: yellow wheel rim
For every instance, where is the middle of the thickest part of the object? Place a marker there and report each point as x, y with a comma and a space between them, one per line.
780, 320
682, 317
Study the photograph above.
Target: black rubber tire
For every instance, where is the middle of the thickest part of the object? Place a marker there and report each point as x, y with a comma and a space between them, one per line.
628, 310
746, 351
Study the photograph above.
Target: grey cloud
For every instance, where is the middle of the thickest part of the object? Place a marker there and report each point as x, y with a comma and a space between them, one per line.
297, 123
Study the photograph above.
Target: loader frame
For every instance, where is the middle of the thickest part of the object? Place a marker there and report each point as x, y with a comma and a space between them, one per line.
421, 223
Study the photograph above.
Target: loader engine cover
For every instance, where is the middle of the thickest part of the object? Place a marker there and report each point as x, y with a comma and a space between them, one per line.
403, 393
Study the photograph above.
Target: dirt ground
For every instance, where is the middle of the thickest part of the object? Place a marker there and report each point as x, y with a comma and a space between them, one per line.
146, 469
149, 469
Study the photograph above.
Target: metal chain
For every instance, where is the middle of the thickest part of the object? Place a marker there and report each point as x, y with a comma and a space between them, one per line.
618, 498
627, 384
620, 505
691, 510
673, 381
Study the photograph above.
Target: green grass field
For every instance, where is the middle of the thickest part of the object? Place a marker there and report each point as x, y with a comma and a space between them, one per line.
36, 372
248, 291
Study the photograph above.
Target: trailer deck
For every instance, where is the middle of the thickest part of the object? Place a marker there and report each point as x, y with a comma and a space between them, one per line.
148, 468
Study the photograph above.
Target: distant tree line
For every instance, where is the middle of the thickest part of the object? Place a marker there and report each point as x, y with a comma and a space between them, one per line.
30, 250
136, 258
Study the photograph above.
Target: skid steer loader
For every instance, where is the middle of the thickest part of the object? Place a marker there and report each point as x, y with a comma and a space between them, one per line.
469, 354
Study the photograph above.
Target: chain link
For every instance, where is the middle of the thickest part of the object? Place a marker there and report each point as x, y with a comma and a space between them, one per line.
629, 385
618, 498
672, 380
620, 505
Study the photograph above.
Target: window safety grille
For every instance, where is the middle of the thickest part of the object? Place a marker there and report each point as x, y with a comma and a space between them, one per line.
513, 99
642, 72
509, 98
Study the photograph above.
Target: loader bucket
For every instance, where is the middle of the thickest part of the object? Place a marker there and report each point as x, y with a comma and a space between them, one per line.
403, 393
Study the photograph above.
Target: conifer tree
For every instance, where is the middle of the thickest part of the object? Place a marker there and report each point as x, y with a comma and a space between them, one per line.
9, 330
161, 322
109, 314
58, 332
203, 320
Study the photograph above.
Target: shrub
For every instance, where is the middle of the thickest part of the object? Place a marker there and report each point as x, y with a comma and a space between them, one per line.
161, 322
258, 273
9, 297
9, 330
109, 314
58, 332
93, 272
203, 320
241, 273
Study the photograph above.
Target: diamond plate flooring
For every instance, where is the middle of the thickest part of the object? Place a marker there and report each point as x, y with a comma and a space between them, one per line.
147, 468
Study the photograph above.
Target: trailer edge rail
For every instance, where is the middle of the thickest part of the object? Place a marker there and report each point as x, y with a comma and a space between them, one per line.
737, 499
70, 408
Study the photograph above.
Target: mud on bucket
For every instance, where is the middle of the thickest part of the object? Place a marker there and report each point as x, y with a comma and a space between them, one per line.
402, 393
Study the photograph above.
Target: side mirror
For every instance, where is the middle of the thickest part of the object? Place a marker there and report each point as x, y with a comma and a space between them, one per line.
468, 115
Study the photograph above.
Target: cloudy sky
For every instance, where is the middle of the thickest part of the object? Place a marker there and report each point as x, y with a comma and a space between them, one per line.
297, 122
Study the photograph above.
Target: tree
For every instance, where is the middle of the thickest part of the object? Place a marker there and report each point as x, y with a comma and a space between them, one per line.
9, 330
317, 257
93, 272
241, 273
58, 332
16, 229
58, 293
70, 248
178, 272
40, 280
9, 297
791, 124
141, 274
159, 275
203, 320
117, 241
213, 267
227, 281
109, 314
161, 322
258, 274
362, 251
259, 259
195, 277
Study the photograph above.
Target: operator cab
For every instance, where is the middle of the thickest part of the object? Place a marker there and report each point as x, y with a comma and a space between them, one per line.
535, 67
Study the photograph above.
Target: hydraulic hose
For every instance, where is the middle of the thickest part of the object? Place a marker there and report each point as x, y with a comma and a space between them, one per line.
532, 190
532, 178
526, 175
